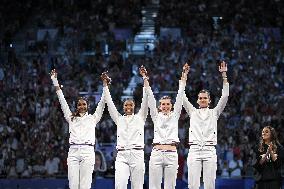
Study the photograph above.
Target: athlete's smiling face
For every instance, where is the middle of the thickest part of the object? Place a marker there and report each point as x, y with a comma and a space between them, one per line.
165, 106
82, 106
128, 107
203, 100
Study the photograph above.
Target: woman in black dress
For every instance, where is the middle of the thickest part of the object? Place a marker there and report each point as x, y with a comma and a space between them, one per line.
269, 158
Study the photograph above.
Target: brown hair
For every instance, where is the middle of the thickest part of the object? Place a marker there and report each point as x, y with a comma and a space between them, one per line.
274, 140
165, 98
205, 91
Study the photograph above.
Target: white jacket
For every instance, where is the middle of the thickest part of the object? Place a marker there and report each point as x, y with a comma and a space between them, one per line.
166, 126
81, 129
203, 122
130, 129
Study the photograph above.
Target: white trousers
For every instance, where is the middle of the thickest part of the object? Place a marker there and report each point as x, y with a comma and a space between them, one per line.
202, 157
129, 163
80, 161
163, 163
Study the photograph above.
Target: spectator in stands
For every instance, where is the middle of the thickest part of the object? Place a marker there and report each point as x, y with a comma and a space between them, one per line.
100, 164
225, 169
1, 164
38, 168
11, 169
52, 165
235, 167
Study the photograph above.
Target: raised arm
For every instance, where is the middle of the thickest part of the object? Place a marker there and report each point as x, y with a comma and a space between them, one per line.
189, 108
151, 99
225, 91
64, 106
180, 94
114, 114
143, 112
152, 104
101, 106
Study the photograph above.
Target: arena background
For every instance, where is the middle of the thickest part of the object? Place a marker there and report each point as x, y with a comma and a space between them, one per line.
81, 39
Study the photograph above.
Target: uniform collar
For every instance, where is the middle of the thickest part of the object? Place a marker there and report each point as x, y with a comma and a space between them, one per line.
204, 109
170, 113
128, 115
84, 114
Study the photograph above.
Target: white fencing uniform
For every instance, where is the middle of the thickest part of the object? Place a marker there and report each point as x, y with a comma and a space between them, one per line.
130, 144
202, 141
163, 162
81, 155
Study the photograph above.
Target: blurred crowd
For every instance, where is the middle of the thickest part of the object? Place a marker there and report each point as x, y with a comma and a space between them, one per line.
33, 132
